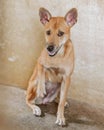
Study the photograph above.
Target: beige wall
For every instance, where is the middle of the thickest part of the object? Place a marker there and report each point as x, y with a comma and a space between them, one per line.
22, 38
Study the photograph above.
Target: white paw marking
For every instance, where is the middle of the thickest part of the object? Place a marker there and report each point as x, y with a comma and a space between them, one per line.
60, 121
37, 111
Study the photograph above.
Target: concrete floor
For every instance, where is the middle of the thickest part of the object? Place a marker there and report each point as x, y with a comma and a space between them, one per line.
14, 114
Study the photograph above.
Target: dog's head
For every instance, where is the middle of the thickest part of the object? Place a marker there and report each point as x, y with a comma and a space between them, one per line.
57, 29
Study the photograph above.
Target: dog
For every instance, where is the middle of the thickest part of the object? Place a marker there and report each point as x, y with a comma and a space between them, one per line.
52, 74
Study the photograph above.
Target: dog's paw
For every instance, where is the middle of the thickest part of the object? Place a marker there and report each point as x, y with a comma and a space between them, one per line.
60, 121
67, 104
41, 91
37, 111
40, 94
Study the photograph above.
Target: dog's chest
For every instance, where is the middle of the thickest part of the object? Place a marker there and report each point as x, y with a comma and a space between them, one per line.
54, 74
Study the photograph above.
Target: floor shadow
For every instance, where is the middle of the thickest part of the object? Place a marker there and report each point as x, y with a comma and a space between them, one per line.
77, 112
50, 108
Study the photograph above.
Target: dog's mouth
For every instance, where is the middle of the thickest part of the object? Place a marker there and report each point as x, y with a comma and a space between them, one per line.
55, 51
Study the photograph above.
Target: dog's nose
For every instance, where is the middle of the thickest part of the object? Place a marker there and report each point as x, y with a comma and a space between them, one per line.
50, 48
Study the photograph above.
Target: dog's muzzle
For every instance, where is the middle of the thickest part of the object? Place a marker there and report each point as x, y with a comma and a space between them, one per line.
52, 50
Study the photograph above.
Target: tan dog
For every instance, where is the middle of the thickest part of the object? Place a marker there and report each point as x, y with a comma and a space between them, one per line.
52, 74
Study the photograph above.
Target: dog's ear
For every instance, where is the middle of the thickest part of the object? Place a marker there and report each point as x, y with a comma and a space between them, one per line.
71, 17
44, 15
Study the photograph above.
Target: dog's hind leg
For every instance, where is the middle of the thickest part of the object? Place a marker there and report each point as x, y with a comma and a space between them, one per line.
30, 97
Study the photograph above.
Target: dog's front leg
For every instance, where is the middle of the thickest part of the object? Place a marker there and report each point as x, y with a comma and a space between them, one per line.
63, 95
41, 81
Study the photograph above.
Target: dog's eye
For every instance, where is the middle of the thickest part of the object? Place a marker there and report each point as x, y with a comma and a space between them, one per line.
60, 33
48, 32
